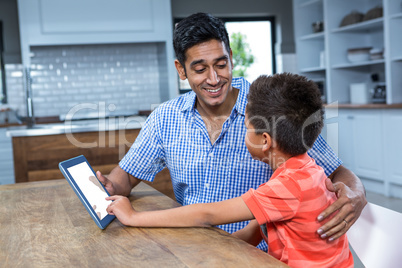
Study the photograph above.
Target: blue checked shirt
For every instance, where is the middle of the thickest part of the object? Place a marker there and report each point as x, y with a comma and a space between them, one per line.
176, 137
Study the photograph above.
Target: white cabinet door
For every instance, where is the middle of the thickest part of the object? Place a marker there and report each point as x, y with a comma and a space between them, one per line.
368, 144
393, 145
90, 16
360, 143
346, 139
60, 22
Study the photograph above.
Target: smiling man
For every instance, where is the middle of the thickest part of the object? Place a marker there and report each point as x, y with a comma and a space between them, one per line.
199, 136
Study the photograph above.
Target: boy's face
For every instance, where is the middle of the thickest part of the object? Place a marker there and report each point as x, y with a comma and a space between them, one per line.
253, 140
209, 72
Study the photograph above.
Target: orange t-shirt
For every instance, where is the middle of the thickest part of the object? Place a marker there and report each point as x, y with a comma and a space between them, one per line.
289, 204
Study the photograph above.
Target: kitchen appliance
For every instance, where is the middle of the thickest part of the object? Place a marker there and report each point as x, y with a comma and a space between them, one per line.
379, 93
321, 86
359, 93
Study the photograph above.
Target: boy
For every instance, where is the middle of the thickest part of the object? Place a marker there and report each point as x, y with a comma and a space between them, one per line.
284, 116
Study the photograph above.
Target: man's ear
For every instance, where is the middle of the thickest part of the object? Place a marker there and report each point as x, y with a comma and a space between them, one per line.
267, 142
180, 70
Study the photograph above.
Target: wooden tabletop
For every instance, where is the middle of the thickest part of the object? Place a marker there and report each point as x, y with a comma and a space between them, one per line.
44, 224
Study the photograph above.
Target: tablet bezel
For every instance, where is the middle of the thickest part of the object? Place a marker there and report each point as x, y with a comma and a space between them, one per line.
64, 169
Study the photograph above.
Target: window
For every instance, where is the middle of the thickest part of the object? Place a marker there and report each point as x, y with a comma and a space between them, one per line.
259, 33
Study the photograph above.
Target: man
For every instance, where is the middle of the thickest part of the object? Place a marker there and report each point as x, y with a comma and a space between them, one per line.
199, 136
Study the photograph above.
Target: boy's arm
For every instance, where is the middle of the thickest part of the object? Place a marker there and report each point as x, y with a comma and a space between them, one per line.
251, 233
202, 215
351, 201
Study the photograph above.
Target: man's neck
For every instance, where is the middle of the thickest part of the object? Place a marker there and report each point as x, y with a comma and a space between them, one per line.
214, 117
221, 111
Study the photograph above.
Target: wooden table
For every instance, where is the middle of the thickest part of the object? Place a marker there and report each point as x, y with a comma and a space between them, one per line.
43, 224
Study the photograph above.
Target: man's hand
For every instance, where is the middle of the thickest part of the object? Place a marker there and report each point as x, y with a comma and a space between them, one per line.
106, 183
349, 206
121, 207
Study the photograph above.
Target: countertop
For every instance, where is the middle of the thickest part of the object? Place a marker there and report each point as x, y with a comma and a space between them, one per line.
106, 124
364, 106
44, 224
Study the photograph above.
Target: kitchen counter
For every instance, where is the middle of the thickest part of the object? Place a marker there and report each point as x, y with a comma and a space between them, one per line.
44, 224
68, 127
364, 106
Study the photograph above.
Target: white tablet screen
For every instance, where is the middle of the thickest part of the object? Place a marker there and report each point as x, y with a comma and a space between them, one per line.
90, 187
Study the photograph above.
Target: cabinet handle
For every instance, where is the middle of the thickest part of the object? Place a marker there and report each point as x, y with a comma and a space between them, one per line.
351, 117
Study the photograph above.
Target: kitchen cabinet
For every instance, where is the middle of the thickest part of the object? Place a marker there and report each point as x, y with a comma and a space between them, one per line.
58, 22
36, 158
392, 130
6, 158
323, 55
368, 142
49, 23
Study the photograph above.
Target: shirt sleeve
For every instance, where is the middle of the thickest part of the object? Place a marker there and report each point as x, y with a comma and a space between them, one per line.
276, 200
324, 156
146, 156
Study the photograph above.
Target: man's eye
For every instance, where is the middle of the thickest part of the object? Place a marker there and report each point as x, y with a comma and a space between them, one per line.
221, 66
200, 70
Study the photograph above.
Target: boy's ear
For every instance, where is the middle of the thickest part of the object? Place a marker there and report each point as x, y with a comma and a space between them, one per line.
180, 70
267, 142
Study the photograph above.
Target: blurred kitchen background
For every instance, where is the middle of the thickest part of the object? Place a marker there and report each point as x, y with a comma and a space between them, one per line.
118, 56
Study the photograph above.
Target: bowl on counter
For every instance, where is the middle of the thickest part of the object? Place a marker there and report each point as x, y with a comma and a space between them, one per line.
359, 54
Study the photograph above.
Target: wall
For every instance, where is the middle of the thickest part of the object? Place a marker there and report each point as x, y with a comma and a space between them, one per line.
122, 77
282, 10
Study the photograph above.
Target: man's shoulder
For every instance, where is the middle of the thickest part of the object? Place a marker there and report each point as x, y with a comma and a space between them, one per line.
178, 104
240, 83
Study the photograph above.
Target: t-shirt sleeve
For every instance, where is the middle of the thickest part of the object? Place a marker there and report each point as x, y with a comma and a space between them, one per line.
324, 156
146, 156
276, 200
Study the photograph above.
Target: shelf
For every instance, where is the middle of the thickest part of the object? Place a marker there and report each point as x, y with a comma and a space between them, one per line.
358, 64
313, 36
362, 26
313, 69
309, 3
396, 16
398, 58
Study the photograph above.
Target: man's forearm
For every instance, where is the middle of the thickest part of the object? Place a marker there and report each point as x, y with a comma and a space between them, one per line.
122, 181
344, 175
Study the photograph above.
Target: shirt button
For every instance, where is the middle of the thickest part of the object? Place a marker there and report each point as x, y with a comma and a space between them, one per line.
206, 185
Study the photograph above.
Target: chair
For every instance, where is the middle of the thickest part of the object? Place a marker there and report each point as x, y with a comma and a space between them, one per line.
376, 237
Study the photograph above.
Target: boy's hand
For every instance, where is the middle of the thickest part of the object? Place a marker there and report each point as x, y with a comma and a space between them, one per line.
121, 207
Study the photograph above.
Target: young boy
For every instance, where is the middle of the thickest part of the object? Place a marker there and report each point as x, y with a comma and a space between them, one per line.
284, 116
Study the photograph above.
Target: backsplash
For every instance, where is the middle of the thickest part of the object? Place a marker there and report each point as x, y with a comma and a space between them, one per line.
122, 77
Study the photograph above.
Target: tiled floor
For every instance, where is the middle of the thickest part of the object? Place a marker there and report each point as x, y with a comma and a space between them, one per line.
381, 200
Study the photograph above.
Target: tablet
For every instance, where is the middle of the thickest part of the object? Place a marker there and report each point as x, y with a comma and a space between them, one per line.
88, 188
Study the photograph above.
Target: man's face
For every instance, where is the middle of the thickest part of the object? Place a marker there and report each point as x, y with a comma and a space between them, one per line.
209, 72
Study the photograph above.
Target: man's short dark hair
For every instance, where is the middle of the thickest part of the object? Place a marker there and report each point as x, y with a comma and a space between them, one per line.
195, 29
289, 108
